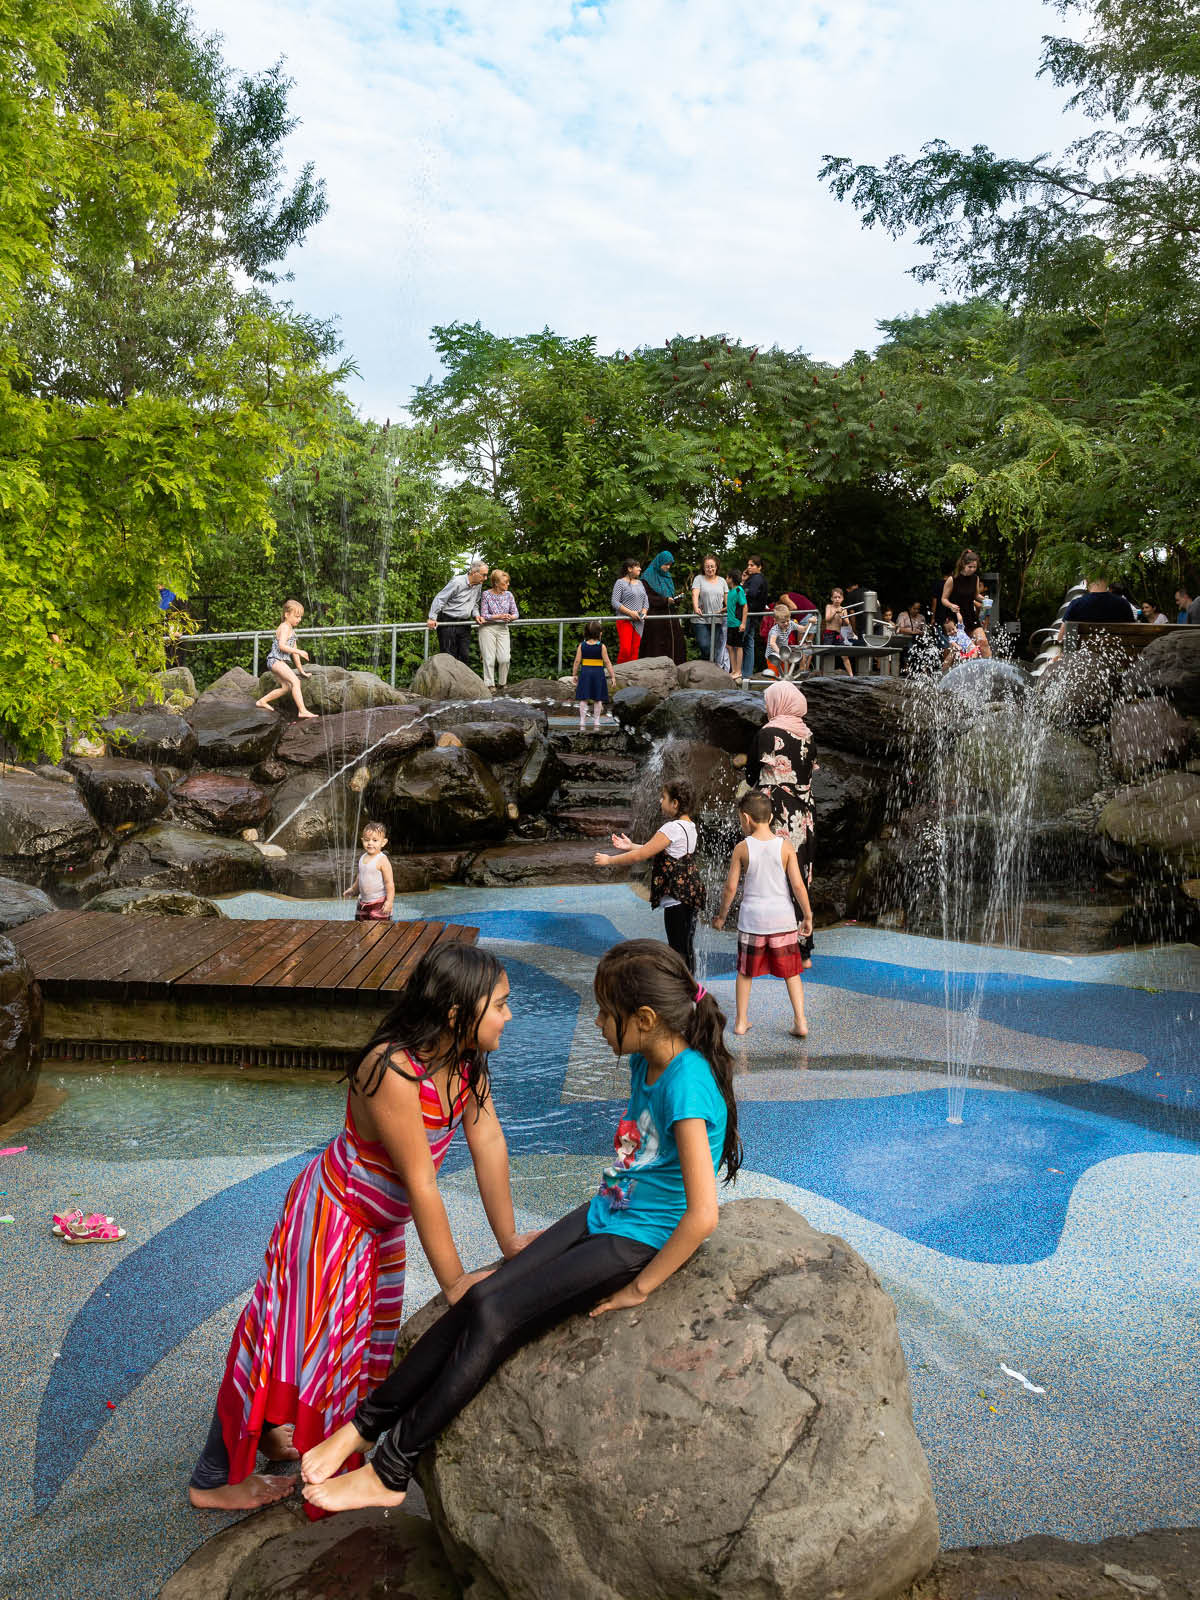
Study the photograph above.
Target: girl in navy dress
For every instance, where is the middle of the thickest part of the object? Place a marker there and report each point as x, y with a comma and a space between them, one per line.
593, 672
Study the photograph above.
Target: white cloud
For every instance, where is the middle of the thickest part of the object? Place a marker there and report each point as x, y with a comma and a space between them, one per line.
629, 169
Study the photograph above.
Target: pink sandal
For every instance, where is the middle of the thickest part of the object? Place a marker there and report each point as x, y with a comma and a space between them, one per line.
76, 1219
92, 1230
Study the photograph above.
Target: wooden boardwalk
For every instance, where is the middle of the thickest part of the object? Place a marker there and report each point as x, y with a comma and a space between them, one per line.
279, 991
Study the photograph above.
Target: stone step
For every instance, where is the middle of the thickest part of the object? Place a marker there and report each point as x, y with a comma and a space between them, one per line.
586, 792
605, 740
545, 861
602, 765
592, 822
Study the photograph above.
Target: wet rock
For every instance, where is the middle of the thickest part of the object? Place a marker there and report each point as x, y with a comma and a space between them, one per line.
333, 741
539, 776
633, 705
154, 903
324, 874
1170, 666
703, 675
444, 677
593, 822
995, 757
501, 709
650, 672
849, 797
1160, 818
542, 689
159, 737
710, 772
222, 801
230, 735
54, 774
748, 1431
272, 770
543, 861
730, 719
862, 715
118, 790
42, 825
20, 1031
235, 687
328, 815
168, 857
1158, 1565
357, 1555
495, 740
331, 690
1082, 686
1145, 734
21, 902
437, 796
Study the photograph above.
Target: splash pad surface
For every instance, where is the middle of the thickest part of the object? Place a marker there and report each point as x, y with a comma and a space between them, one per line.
1054, 1232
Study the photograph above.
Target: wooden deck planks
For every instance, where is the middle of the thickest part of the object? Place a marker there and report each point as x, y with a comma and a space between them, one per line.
391, 973
256, 947
383, 961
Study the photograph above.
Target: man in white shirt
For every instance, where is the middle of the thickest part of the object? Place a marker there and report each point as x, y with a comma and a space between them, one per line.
453, 610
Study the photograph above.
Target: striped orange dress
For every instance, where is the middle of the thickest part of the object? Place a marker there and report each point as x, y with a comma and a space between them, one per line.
318, 1330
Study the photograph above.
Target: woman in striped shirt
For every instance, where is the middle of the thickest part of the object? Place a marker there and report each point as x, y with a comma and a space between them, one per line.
497, 609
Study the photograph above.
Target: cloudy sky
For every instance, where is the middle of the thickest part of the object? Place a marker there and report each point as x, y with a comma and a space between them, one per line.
626, 168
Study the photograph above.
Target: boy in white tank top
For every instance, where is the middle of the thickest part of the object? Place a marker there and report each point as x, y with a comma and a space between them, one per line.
374, 883
768, 936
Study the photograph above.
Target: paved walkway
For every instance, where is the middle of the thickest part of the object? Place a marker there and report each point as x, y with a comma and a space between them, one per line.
1054, 1232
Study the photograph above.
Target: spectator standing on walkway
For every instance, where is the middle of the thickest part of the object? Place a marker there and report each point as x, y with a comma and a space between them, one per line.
709, 594
755, 585
497, 609
1189, 609
735, 620
662, 635
453, 610
630, 604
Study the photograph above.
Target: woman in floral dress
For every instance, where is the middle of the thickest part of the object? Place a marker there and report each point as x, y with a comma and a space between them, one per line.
781, 764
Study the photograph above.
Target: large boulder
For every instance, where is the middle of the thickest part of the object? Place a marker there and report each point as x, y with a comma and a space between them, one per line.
1015, 766
849, 798
650, 672
42, 825
169, 857
540, 775
633, 705
1160, 819
20, 1031
177, 680
543, 862
444, 677
119, 791
439, 796
311, 813
703, 675
21, 902
330, 742
160, 737
236, 687
441, 719
544, 689
325, 874
331, 690
729, 719
1169, 665
1147, 733
863, 715
229, 735
709, 770
154, 903
221, 801
747, 1431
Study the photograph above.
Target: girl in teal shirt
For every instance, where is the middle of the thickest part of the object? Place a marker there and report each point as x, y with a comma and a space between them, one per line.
656, 1205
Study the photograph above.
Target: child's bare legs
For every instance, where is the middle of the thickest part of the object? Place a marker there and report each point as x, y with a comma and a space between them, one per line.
255, 1491
324, 1459
288, 680
741, 994
795, 989
583, 711
735, 660
597, 709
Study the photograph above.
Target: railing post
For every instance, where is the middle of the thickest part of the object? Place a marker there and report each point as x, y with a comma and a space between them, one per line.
393, 677
426, 642
560, 649
256, 655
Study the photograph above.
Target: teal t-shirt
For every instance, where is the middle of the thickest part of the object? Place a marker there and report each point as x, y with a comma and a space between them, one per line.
641, 1193
734, 602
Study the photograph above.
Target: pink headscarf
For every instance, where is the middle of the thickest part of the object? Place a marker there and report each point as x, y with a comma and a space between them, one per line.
786, 707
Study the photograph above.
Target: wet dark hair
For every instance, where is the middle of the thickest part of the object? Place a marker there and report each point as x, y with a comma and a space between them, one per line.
683, 793
756, 806
373, 827
593, 630
450, 976
643, 972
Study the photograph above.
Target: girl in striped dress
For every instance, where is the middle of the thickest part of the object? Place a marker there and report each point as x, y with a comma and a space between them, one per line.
318, 1331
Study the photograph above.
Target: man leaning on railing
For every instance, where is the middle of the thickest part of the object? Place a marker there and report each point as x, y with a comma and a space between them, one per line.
453, 610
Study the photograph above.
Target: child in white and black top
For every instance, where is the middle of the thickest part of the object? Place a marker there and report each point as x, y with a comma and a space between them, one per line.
676, 884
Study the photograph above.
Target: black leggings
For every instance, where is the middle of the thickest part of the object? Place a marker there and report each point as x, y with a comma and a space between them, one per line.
679, 923
565, 1270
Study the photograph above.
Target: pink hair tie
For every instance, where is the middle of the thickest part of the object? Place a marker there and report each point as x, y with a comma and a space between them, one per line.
701, 991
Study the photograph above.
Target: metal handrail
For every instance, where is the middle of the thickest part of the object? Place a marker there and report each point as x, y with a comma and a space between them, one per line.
395, 629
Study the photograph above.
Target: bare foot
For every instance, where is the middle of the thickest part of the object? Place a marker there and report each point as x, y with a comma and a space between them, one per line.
307, 716
324, 1459
804, 965
276, 1443
740, 1028
264, 705
800, 1031
249, 1495
351, 1490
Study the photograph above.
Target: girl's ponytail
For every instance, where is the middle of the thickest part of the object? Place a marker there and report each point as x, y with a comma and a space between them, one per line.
643, 972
